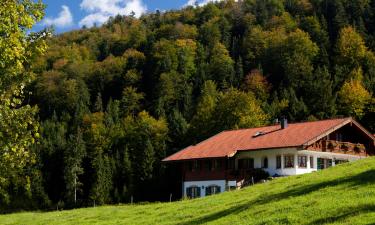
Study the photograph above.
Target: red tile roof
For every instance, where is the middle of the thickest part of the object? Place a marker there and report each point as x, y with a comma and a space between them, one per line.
227, 143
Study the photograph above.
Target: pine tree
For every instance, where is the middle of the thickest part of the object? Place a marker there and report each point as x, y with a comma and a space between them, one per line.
239, 74
127, 171
178, 127
52, 148
320, 96
297, 109
201, 125
73, 165
102, 179
112, 113
98, 107
131, 101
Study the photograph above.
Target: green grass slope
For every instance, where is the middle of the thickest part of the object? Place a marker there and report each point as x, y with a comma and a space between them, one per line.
344, 194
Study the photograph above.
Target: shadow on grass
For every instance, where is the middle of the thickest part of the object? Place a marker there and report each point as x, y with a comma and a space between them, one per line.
367, 177
342, 214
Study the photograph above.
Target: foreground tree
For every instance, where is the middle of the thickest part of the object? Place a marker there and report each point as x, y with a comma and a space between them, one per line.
18, 128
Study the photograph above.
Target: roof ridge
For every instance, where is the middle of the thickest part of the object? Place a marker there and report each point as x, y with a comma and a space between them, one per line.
193, 145
343, 118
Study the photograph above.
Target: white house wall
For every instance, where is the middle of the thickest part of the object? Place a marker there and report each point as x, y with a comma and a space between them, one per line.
203, 184
271, 154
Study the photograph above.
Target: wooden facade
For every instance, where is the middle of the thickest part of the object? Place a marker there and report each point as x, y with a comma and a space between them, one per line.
346, 140
206, 169
339, 147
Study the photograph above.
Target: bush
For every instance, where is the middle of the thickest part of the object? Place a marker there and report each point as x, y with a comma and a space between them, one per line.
257, 174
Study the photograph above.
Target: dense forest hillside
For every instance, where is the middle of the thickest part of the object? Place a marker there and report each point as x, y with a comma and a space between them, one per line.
114, 100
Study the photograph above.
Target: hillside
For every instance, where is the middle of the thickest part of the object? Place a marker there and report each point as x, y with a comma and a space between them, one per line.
344, 194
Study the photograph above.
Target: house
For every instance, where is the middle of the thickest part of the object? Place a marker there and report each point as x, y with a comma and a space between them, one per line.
223, 161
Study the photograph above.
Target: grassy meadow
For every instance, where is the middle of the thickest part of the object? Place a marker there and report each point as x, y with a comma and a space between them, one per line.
344, 194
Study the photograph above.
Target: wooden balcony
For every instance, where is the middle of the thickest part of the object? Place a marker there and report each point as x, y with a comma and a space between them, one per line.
342, 147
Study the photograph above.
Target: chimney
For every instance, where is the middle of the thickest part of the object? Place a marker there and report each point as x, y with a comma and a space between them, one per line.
284, 123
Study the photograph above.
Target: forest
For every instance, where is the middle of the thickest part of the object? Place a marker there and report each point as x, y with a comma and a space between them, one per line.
112, 101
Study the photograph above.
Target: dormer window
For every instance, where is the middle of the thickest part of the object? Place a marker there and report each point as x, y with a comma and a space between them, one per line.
258, 133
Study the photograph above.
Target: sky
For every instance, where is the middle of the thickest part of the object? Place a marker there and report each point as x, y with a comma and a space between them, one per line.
66, 15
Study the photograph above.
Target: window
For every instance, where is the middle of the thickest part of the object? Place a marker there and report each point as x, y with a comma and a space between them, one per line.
278, 162
311, 162
245, 164
320, 164
193, 192
213, 189
302, 161
324, 163
265, 162
289, 161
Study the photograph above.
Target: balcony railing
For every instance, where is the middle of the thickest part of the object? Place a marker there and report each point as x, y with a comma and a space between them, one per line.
339, 146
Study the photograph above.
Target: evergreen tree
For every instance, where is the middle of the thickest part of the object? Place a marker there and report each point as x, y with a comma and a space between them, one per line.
102, 179
131, 101
201, 124
127, 174
73, 157
239, 74
178, 127
146, 162
52, 147
320, 95
297, 109
98, 107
